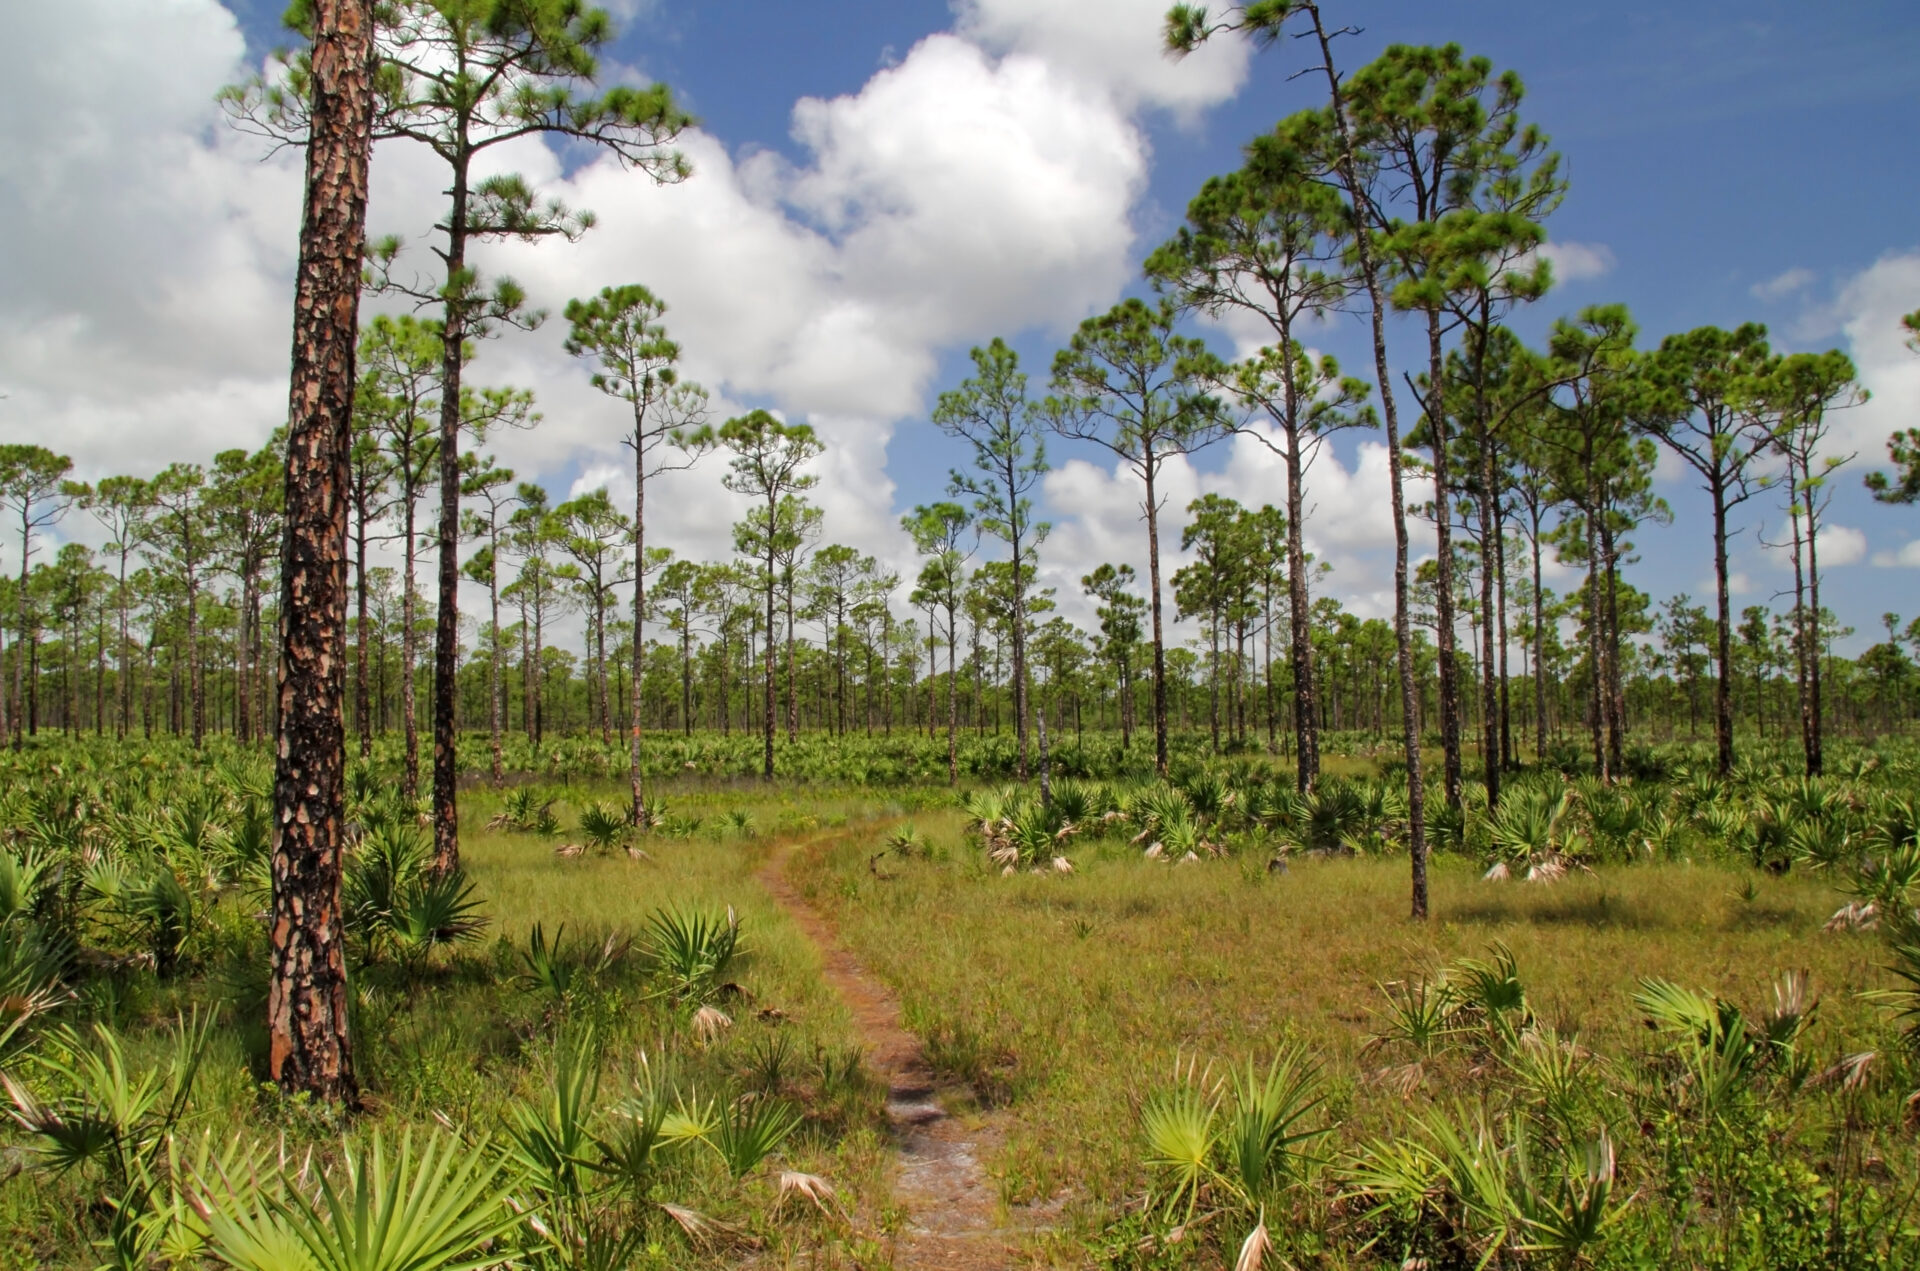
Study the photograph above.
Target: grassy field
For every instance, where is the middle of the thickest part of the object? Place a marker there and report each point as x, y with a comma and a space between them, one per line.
1071, 999
1167, 1058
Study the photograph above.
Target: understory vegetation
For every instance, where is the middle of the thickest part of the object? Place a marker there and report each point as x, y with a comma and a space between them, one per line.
1675, 1018
1666, 1021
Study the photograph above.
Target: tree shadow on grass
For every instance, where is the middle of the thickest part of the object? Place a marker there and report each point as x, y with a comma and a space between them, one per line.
1757, 917
1600, 910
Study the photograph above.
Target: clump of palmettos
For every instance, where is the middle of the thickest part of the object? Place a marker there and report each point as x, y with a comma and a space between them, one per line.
1521, 1162
567, 1182
1196, 815
567, 1179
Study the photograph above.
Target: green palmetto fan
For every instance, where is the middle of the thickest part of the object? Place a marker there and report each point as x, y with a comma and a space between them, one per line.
1491, 989
1155, 807
1422, 1014
1270, 1122
1334, 812
110, 1116
389, 858
1073, 803
1720, 1054
549, 971
690, 950
1178, 1122
752, 1130
550, 1141
440, 1210
604, 826
1565, 1214
432, 912
1903, 1002
1526, 826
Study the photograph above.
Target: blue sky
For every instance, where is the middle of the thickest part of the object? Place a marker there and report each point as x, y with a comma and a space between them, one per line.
1727, 163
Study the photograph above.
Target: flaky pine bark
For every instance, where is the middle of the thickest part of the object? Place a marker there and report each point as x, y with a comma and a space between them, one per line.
1802, 636
1596, 643
309, 1049
1018, 635
496, 681
767, 670
1816, 745
1722, 638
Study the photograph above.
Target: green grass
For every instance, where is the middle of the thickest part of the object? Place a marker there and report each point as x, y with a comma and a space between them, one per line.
1067, 1002
1070, 997
465, 1040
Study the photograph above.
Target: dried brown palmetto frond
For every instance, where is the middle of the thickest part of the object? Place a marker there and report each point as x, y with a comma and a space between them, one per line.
1849, 1074
1254, 1249
1402, 1079
699, 1228
1551, 870
569, 850
709, 1022
1061, 865
1855, 915
811, 1187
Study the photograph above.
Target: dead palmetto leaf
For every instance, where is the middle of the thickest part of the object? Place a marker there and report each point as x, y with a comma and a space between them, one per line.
1402, 1079
709, 1022
1061, 865
1497, 873
569, 850
1849, 1074
1551, 870
1254, 1249
699, 1228
809, 1186
1856, 915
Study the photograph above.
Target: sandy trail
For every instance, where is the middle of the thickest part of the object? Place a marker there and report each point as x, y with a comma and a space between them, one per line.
952, 1211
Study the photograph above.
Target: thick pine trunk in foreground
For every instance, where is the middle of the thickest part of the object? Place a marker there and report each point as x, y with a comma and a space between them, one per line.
309, 1048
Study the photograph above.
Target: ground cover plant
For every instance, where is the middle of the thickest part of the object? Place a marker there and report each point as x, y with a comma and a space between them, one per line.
575, 1051
1685, 1039
1669, 1015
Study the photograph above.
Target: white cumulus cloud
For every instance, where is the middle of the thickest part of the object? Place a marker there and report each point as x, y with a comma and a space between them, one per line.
1840, 545
1906, 557
983, 183
1115, 45
1578, 262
